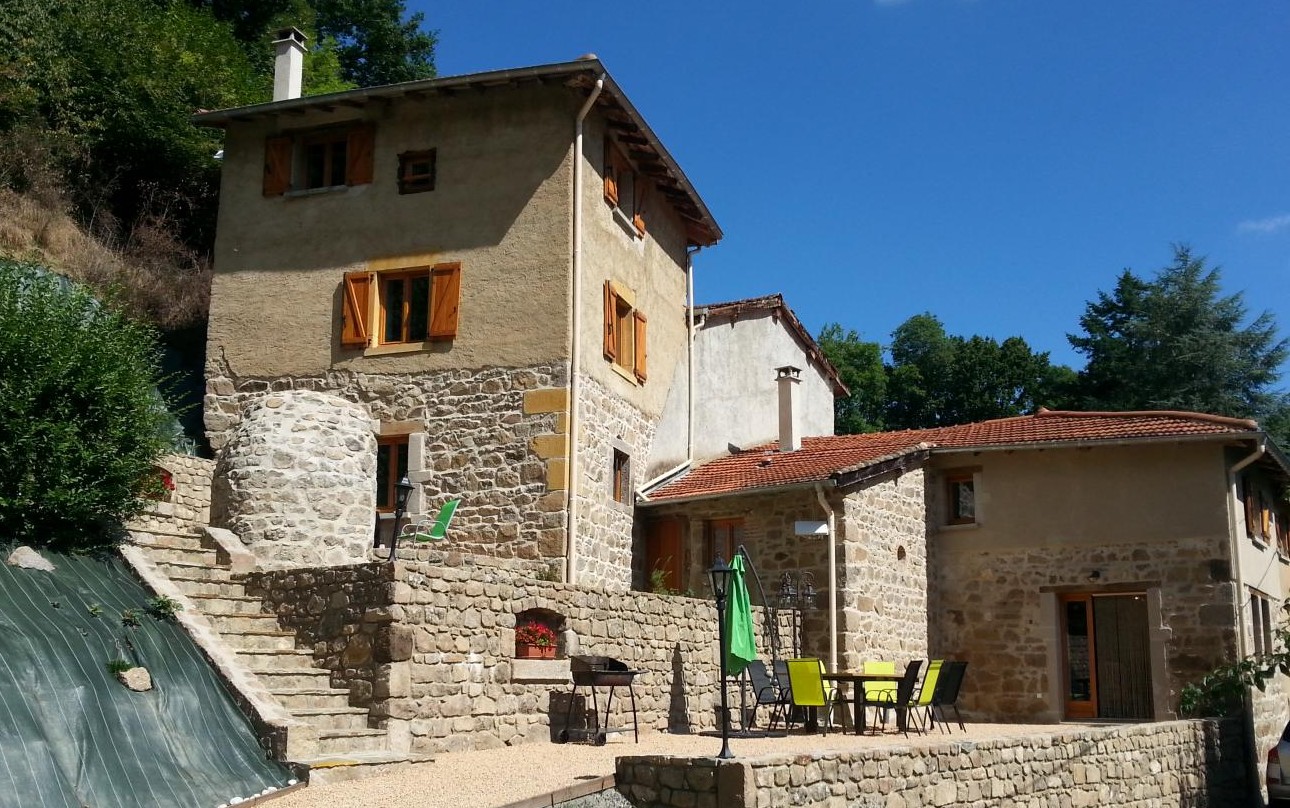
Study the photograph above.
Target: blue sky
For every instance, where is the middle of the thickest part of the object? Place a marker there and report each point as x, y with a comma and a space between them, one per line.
994, 162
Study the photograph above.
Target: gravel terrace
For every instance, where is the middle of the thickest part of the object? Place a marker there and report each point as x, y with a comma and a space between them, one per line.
496, 777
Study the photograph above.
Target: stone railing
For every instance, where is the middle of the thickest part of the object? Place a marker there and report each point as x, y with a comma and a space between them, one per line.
1199, 763
189, 503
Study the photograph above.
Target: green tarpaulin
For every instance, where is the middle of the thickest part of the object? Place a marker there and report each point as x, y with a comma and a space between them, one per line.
740, 636
72, 735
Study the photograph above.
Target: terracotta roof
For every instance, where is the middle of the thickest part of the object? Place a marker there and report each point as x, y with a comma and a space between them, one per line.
775, 303
644, 147
836, 456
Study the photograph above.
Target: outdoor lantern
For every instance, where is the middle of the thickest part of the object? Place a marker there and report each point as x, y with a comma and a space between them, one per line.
720, 577
402, 490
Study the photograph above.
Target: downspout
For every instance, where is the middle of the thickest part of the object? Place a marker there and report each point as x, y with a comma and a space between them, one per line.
689, 354
1235, 543
833, 576
575, 348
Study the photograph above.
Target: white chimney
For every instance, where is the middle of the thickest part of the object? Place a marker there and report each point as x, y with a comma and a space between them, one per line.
288, 63
788, 378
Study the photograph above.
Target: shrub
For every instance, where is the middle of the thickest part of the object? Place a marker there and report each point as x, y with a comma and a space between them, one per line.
81, 419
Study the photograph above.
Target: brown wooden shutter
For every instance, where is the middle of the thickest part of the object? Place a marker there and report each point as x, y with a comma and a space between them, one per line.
611, 173
639, 369
611, 317
1265, 517
1251, 509
358, 155
277, 165
445, 299
638, 218
355, 308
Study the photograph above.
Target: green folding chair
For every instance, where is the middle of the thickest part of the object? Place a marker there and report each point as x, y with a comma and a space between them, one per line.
436, 530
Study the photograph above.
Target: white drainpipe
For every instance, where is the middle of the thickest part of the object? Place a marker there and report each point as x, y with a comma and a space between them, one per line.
575, 348
833, 575
1235, 521
689, 354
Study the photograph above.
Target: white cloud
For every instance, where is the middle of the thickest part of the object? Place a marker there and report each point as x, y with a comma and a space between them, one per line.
1269, 225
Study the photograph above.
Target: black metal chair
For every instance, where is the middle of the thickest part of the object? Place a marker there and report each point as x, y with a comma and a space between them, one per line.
947, 693
902, 700
766, 690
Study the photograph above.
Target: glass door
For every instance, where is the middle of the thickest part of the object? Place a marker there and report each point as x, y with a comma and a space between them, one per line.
1079, 661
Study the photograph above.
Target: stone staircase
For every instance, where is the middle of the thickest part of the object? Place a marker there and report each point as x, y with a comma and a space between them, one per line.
346, 743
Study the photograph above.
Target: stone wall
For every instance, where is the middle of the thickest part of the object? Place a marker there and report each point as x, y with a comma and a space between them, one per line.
494, 437
295, 480
884, 556
1195, 763
607, 422
768, 535
428, 646
189, 503
995, 608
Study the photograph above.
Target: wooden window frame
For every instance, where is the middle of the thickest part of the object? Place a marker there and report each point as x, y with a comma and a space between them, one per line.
621, 477
727, 533
363, 305
954, 479
286, 169
625, 190
411, 182
626, 333
406, 278
391, 473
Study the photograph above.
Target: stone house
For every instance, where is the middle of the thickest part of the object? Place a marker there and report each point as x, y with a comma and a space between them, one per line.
1087, 565
480, 282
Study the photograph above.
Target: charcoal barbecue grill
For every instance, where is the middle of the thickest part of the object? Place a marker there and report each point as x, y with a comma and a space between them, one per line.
592, 672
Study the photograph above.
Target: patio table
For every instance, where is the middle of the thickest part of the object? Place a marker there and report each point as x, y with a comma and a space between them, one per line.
857, 679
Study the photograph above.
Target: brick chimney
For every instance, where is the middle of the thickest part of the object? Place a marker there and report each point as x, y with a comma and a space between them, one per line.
788, 378
288, 63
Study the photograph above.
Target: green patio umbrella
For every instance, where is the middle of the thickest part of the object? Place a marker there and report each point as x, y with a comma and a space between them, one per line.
742, 640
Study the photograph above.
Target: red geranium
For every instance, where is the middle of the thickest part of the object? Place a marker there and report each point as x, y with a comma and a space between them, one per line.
535, 633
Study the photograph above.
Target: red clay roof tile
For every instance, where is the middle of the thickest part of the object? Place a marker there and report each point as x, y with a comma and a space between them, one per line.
823, 457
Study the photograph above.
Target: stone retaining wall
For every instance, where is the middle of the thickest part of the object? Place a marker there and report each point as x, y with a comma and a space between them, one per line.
189, 504
429, 647
1194, 763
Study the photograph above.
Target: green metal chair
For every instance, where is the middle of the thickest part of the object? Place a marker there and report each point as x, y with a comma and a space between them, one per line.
925, 693
436, 530
878, 692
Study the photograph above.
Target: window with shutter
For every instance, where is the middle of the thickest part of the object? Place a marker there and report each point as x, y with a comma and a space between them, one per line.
402, 306
624, 189
335, 157
625, 332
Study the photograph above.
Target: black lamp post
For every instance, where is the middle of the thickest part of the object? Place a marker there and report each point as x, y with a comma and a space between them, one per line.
720, 575
402, 490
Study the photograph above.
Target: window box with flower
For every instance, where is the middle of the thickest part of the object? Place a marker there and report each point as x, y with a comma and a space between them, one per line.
534, 640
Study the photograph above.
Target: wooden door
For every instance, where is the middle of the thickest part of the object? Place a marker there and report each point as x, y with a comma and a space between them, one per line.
665, 553
1079, 657
1106, 657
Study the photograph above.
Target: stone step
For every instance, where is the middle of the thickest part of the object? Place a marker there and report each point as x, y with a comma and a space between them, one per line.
228, 604
193, 557
305, 698
324, 769
329, 718
277, 659
239, 623
216, 588
191, 570
260, 640
183, 541
342, 741
291, 678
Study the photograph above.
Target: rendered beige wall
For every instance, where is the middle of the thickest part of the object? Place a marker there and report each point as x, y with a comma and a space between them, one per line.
500, 206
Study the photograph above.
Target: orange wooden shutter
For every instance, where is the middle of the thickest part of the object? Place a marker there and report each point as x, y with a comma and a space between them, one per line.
639, 369
358, 155
1251, 509
638, 218
611, 315
355, 308
1265, 517
611, 173
445, 298
277, 165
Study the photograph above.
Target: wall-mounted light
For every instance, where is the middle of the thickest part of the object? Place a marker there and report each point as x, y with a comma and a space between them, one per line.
1095, 575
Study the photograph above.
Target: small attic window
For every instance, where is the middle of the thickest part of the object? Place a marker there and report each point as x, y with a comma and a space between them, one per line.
416, 171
